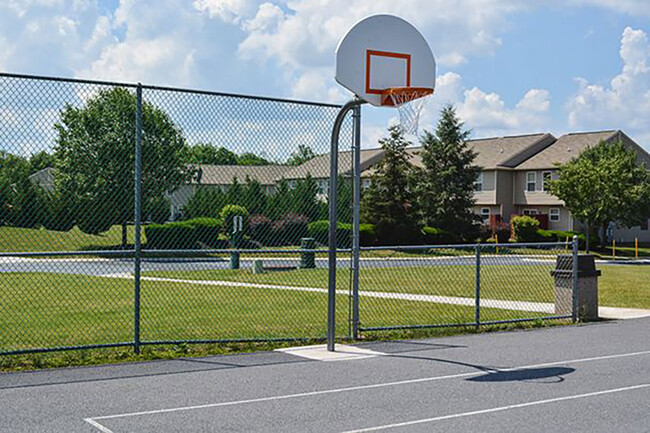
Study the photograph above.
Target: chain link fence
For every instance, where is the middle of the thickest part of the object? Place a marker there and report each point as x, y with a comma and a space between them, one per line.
119, 201
134, 215
463, 285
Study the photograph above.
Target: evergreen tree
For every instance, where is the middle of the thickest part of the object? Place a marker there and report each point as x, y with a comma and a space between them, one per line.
344, 199
387, 203
279, 204
254, 198
235, 192
205, 202
444, 185
304, 199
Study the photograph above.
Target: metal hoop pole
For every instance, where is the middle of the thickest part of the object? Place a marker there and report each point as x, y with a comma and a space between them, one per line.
334, 163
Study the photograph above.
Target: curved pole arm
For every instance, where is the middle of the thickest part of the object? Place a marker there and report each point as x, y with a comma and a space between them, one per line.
334, 154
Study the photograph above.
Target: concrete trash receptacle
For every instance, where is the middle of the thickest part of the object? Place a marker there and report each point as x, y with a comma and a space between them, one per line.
307, 258
587, 286
258, 267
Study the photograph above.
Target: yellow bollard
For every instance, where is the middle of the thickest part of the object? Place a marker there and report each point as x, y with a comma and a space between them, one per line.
636, 248
614, 248
496, 242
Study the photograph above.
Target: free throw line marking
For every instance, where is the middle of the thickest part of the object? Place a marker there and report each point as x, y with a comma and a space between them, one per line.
356, 388
499, 409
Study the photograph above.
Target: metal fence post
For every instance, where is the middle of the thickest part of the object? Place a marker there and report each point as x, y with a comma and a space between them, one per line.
334, 164
356, 240
138, 218
477, 287
574, 280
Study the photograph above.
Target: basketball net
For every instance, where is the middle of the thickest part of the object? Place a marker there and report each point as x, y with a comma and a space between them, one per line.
409, 102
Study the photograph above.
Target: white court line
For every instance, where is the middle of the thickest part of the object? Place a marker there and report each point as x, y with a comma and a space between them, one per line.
503, 304
97, 425
500, 409
93, 420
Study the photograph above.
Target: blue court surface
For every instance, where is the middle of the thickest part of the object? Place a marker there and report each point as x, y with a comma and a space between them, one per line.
593, 377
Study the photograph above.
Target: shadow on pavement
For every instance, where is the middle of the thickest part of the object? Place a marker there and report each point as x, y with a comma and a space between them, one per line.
525, 374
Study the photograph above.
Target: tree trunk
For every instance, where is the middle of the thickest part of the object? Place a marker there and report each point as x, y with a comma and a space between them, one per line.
587, 237
124, 235
603, 237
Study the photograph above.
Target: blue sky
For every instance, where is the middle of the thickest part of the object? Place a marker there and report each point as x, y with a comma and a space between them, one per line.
509, 66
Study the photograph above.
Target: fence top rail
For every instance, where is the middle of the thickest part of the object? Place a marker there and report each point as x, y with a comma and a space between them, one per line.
466, 246
145, 252
116, 253
149, 253
166, 88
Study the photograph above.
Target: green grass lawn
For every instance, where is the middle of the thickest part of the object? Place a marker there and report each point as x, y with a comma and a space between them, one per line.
625, 286
14, 239
49, 310
523, 283
619, 286
623, 252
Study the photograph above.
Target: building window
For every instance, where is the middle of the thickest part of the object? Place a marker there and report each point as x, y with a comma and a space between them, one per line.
531, 181
485, 214
530, 212
554, 214
478, 183
546, 178
366, 183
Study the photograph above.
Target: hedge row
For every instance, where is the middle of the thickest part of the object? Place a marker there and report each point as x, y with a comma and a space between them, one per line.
319, 230
560, 236
185, 234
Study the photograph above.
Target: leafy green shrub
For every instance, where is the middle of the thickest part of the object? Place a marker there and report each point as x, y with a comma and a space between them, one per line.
185, 234
57, 213
207, 231
436, 236
390, 234
260, 228
561, 236
319, 230
177, 235
227, 214
289, 229
367, 234
545, 236
158, 210
524, 228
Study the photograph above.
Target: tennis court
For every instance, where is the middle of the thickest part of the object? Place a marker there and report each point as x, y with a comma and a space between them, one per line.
592, 377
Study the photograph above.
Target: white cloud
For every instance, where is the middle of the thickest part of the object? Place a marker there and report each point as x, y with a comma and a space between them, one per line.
230, 11
631, 7
625, 103
485, 113
304, 34
162, 58
488, 114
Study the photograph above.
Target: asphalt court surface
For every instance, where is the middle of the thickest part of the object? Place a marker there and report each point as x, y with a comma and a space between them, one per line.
593, 377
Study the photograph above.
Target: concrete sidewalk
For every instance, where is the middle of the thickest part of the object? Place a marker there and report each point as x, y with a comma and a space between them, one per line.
504, 304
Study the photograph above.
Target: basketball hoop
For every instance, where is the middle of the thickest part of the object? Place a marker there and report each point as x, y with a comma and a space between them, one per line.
409, 102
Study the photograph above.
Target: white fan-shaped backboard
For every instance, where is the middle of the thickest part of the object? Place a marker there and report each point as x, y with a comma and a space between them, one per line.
380, 52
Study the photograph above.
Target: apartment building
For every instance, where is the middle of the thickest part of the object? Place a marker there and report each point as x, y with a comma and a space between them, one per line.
513, 181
